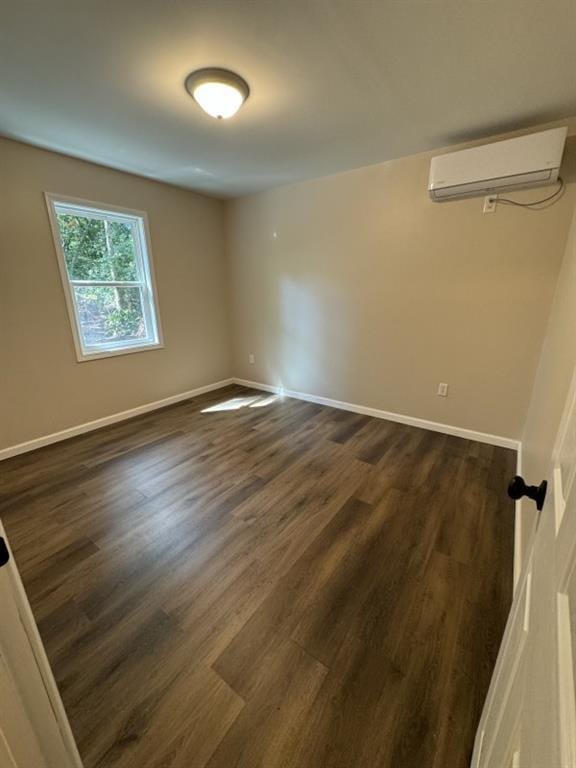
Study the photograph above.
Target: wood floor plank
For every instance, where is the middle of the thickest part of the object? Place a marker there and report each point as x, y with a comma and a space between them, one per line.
274, 718
201, 710
243, 580
245, 658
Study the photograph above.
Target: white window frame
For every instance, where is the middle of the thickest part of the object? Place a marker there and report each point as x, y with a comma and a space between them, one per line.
145, 267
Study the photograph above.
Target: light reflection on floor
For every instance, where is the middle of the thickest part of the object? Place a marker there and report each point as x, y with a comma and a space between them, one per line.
235, 403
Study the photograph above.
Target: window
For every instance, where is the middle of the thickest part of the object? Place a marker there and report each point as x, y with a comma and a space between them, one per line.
104, 259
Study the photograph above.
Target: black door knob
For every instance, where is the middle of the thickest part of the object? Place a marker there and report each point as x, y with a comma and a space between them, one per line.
518, 488
4, 553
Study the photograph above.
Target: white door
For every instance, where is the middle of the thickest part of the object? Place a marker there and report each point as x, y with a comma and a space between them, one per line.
34, 729
529, 719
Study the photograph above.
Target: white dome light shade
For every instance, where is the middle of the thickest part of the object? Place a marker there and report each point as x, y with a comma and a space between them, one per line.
218, 99
219, 92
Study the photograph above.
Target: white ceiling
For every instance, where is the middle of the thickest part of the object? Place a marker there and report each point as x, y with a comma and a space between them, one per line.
336, 84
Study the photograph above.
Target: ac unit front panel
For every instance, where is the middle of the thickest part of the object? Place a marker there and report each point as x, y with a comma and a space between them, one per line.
492, 186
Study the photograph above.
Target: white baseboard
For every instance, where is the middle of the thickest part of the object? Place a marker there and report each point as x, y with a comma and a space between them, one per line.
434, 426
89, 426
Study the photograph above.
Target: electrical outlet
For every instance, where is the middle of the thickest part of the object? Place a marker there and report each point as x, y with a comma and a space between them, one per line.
442, 389
490, 204
251, 359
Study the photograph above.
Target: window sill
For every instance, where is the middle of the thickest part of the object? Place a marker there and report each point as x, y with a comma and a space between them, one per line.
84, 357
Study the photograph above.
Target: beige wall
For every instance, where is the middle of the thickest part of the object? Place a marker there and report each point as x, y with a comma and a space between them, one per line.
43, 388
354, 287
552, 379
357, 287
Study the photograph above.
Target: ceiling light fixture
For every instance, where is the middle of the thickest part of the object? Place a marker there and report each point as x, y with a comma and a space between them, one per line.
219, 92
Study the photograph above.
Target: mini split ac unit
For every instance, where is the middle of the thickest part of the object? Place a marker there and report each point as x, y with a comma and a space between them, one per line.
527, 161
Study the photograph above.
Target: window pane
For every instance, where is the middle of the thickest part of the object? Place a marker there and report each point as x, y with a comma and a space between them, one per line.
110, 315
84, 244
97, 250
123, 252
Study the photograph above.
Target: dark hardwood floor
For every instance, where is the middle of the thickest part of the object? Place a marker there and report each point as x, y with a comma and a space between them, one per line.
243, 582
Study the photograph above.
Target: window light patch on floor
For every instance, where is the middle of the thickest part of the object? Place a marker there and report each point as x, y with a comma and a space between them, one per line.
263, 401
235, 403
